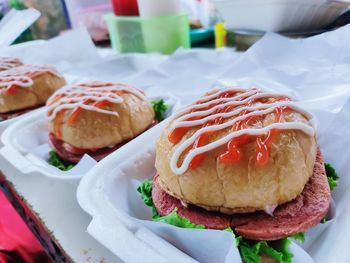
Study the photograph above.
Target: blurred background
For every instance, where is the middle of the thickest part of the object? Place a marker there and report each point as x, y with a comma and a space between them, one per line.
138, 25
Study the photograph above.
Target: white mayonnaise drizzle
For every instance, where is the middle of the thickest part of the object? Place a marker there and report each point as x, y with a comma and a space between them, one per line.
8, 63
22, 76
74, 96
183, 203
269, 209
20, 81
239, 103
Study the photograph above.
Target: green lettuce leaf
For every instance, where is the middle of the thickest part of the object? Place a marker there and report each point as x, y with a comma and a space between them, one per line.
251, 250
56, 161
249, 253
332, 176
160, 109
299, 237
229, 229
145, 190
174, 219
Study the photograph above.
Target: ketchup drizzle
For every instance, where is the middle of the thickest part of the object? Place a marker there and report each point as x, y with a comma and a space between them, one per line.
233, 153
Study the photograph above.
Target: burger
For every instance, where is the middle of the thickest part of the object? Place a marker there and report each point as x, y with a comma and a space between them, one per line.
242, 160
26, 87
96, 118
7, 63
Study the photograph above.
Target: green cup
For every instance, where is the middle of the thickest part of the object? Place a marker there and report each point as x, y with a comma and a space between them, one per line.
162, 34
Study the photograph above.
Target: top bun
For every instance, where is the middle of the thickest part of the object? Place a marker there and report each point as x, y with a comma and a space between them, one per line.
98, 115
238, 176
27, 86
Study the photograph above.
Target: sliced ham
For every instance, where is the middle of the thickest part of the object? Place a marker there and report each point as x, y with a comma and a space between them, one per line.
166, 203
307, 210
74, 155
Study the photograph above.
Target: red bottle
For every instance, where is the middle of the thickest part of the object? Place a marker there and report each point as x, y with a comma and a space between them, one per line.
125, 7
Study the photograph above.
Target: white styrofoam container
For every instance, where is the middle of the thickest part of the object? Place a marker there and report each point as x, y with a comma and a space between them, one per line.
6, 123
31, 132
105, 190
279, 15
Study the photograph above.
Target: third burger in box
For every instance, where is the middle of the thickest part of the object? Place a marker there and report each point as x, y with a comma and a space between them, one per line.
24, 88
243, 160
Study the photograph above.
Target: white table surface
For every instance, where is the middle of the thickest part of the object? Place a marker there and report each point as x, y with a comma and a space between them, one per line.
56, 204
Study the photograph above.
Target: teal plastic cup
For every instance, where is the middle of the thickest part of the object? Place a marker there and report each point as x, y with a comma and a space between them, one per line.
162, 34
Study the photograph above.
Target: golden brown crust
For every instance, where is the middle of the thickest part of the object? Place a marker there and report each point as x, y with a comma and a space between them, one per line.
242, 187
94, 130
45, 84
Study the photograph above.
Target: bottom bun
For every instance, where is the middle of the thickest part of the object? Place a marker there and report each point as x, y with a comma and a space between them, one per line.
296, 216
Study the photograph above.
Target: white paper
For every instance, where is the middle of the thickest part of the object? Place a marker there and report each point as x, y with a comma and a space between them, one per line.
314, 233
314, 71
300, 256
70, 50
14, 23
332, 244
40, 156
187, 73
219, 246
117, 68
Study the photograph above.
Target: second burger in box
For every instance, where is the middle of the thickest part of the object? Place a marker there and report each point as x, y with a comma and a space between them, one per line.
97, 118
